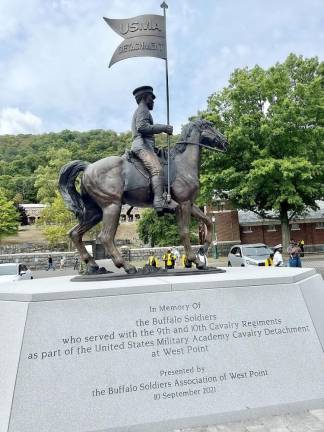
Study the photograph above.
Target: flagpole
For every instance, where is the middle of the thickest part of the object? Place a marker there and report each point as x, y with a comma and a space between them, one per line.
164, 6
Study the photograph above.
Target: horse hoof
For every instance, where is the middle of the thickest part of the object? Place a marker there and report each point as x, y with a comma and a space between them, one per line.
102, 270
92, 270
131, 270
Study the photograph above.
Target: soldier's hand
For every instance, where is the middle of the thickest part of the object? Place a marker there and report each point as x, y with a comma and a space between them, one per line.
169, 129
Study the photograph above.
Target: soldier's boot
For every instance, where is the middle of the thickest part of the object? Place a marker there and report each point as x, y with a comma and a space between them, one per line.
160, 202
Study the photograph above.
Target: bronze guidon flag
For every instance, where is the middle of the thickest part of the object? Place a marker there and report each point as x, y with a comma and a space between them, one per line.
144, 36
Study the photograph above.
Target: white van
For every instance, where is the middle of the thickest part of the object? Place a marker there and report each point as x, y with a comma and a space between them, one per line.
14, 272
248, 255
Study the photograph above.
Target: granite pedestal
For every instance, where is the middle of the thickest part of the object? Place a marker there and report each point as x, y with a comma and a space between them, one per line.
160, 353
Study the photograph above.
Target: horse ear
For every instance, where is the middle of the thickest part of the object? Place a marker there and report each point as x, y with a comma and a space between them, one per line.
199, 123
205, 123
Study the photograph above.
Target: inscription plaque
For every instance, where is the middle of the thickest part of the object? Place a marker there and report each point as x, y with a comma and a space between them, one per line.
103, 363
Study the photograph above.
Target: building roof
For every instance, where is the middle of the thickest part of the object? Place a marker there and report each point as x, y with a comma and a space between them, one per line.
29, 206
311, 216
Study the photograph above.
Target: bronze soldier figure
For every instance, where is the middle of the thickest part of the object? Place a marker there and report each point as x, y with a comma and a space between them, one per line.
143, 145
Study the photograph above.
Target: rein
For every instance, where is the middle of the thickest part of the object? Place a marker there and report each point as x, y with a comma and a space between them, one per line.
201, 145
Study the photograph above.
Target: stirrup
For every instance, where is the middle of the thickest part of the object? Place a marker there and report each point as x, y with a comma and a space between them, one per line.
162, 206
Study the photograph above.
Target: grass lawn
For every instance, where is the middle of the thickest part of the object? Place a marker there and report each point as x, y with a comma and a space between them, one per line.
33, 234
26, 234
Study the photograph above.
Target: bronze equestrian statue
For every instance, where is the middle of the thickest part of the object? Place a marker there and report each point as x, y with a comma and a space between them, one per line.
113, 181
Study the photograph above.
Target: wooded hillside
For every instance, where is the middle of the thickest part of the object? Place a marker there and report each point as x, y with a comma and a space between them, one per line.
22, 156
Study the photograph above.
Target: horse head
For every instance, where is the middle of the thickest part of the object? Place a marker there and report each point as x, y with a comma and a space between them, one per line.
202, 132
210, 136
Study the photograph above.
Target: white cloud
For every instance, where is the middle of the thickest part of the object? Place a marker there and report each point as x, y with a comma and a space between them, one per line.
7, 29
225, 51
54, 58
242, 50
14, 121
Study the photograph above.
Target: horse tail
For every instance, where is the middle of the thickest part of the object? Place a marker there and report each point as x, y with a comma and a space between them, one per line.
72, 198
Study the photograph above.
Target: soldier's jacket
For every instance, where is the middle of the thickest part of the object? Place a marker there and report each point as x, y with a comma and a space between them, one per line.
143, 129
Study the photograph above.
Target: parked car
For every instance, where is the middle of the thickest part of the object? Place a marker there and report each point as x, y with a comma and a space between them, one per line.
14, 271
248, 255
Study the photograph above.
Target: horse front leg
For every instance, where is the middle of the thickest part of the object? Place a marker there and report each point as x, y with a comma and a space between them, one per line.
200, 216
110, 221
183, 213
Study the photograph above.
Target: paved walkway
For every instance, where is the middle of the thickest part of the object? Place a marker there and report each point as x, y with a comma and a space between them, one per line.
307, 421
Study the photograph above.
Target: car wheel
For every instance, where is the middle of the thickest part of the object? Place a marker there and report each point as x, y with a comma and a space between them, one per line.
229, 264
31, 277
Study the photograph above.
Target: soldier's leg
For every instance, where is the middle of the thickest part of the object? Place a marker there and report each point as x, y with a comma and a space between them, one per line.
152, 164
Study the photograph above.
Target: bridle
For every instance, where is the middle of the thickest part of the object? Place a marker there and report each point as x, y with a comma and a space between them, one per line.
201, 145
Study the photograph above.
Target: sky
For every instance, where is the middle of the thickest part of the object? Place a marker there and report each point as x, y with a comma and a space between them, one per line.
54, 57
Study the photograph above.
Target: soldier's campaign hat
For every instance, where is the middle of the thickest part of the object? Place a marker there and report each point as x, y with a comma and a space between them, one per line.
139, 91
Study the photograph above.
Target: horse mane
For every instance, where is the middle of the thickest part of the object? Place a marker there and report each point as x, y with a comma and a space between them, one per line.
185, 134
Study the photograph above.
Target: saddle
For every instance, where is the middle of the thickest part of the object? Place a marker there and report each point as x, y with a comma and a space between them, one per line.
130, 157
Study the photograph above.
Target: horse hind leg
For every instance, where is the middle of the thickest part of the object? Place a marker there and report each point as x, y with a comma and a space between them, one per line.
110, 221
183, 213
200, 216
76, 233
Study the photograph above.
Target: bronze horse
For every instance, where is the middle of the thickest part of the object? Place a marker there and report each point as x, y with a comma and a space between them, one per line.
113, 181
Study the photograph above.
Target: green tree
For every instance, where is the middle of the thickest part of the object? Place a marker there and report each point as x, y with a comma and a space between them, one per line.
46, 179
273, 121
56, 221
161, 231
8, 216
29, 164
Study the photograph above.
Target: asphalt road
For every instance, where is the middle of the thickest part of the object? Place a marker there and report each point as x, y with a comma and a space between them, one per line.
317, 263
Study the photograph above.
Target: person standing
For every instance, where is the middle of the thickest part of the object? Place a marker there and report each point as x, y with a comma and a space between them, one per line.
143, 145
62, 262
301, 244
75, 263
292, 244
185, 262
202, 256
153, 261
50, 264
176, 253
294, 258
269, 261
169, 259
277, 257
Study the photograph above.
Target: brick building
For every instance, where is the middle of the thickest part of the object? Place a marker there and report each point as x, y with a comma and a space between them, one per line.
130, 214
232, 226
33, 212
